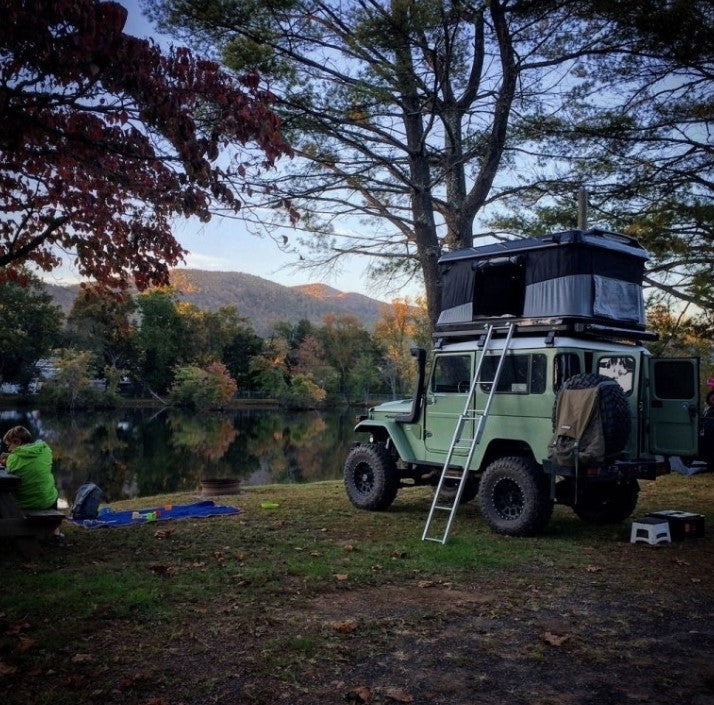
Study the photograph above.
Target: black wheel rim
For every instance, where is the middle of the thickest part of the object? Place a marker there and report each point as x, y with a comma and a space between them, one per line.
508, 499
364, 478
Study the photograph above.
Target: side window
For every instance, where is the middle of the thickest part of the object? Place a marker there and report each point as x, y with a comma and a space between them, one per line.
521, 374
565, 366
620, 368
673, 379
452, 374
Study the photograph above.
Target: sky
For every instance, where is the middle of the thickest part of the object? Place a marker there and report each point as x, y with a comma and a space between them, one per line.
225, 245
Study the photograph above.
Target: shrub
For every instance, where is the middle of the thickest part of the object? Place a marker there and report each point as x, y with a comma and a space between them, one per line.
202, 388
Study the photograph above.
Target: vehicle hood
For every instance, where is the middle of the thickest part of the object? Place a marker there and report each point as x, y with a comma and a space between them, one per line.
391, 408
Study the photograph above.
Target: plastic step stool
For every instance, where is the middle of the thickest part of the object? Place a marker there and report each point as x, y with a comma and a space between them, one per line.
650, 530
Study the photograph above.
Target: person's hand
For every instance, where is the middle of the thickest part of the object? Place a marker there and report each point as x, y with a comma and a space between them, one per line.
3, 458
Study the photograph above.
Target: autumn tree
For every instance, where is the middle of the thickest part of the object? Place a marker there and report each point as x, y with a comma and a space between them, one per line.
345, 341
203, 388
413, 120
394, 333
105, 138
101, 321
72, 385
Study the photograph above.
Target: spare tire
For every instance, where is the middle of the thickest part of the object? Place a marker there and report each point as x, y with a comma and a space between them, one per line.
614, 409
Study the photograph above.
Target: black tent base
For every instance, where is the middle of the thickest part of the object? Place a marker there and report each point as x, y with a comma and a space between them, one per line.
579, 327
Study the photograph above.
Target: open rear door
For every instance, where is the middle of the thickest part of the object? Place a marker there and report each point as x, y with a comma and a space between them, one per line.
674, 406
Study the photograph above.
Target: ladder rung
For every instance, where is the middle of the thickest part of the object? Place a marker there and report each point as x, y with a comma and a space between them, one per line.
444, 507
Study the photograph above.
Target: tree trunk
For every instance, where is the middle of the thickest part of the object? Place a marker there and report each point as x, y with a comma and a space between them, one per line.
422, 206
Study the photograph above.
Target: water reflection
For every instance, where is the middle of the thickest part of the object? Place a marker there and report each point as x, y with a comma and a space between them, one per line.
140, 452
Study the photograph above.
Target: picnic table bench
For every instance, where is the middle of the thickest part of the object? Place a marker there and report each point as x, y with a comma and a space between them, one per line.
24, 527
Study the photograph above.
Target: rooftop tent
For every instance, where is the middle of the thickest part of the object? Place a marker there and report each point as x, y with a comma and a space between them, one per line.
591, 274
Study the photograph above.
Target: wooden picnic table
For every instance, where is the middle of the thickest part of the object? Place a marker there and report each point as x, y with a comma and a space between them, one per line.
24, 527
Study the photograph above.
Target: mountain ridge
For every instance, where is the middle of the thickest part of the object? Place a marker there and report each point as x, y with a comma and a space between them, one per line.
261, 301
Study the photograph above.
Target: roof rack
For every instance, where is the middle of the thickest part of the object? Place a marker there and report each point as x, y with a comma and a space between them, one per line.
584, 327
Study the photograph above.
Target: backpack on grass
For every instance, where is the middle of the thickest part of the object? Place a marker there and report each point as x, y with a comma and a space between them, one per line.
86, 502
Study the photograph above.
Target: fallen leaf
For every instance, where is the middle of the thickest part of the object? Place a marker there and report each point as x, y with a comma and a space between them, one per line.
679, 561
398, 695
163, 533
362, 694
346, 626
16, 628
425, 583
75, 681
349, 547
555, 639
6, 669
315, 553
25, 644
341, 576
81, 658
593, 569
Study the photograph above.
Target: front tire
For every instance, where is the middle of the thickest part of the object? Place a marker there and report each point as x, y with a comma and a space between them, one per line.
514, 497
371, 477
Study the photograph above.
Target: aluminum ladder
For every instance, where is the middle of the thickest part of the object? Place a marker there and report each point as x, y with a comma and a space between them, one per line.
468, 414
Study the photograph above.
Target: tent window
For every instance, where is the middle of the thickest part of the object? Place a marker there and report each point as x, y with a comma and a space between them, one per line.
499, 288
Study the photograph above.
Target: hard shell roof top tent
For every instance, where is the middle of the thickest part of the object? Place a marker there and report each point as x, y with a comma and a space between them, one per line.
587, 281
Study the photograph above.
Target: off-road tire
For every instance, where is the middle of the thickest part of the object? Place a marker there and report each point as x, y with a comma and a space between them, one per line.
607, 502
614, 409
371, 477
514, 497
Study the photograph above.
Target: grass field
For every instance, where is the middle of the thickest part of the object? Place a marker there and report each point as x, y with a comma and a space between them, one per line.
315, 602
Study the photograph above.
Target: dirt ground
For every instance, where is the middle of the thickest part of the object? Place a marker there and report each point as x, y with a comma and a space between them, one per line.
540, 639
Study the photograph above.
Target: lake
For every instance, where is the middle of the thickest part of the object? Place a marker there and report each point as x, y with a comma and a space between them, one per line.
141, 452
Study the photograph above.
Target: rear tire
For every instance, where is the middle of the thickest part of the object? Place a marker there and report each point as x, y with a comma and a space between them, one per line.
608, 502
514, 497
371, 477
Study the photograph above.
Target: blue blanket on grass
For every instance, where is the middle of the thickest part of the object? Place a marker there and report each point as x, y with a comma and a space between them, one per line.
109, 518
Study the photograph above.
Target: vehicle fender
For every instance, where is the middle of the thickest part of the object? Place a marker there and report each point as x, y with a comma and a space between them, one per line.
382, 431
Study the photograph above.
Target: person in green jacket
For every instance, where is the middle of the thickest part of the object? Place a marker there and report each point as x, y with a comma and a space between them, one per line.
32, 461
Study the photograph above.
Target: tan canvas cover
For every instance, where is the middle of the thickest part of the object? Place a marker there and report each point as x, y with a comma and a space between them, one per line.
578, 425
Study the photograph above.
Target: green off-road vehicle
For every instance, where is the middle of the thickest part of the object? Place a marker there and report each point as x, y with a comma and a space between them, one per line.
538, 390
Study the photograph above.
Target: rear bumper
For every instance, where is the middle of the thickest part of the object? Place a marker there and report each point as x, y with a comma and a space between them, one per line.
639, 469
